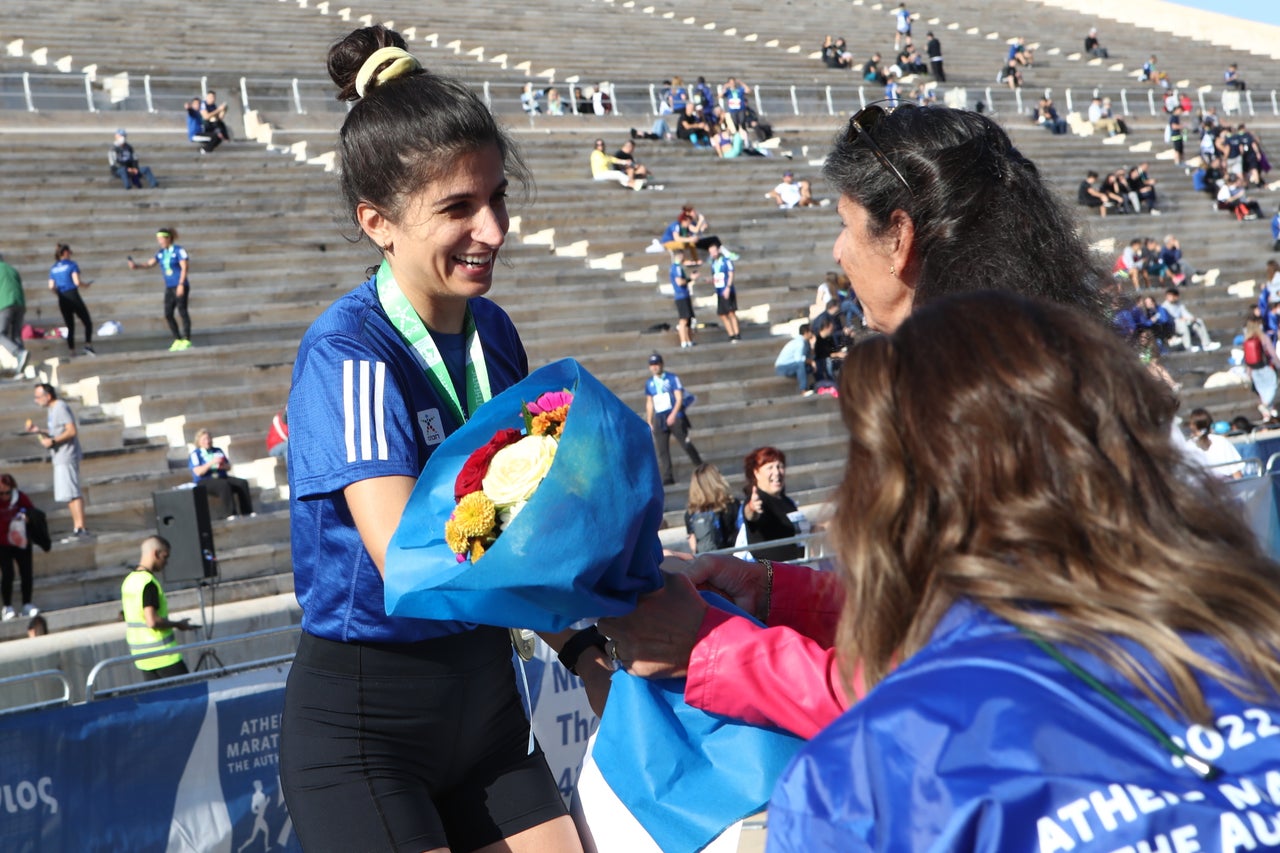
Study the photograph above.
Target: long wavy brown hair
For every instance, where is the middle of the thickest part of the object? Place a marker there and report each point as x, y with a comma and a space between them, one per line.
1021, 457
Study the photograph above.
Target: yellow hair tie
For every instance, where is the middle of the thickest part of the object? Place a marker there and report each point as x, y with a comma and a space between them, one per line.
404, 63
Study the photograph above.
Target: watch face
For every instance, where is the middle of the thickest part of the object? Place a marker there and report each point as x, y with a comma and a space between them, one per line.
524, 641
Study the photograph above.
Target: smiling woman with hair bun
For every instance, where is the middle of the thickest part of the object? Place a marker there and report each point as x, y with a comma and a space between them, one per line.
404, 734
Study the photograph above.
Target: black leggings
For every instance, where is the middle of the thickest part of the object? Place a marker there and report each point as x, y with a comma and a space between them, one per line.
233, 492
173, 301
8, 556
72, 306
409, 747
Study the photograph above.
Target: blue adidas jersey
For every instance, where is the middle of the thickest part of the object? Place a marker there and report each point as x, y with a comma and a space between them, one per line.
679, 282
61, 275
982, 742
361, 406
721, 269
169, 266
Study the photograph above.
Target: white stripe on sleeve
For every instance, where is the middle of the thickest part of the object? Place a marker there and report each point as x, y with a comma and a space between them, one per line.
366, 443
379, 384
348, 408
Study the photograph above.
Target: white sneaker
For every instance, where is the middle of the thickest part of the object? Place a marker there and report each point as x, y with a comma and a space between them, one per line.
7, 614
1211, 346
30, 609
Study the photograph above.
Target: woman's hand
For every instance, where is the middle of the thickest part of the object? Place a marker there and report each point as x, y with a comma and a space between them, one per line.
754, 507
742, 583
656, 639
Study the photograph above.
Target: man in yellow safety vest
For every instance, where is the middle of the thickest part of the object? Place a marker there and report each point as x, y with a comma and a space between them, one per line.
148, 627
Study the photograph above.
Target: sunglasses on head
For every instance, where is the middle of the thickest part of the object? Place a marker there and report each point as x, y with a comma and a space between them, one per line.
859, 128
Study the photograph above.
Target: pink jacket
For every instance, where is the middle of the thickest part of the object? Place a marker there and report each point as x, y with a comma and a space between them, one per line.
785, 675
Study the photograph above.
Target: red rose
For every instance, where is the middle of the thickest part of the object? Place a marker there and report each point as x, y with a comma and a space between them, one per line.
477, 464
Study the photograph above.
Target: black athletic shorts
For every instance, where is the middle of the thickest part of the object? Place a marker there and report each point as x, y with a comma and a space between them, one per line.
409, 747
684, 308
726, 305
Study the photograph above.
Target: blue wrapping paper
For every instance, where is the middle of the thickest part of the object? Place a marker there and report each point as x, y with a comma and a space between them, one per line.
686, 775
584, 546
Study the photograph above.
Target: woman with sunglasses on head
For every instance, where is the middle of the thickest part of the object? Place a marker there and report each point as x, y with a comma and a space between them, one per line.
404, 734
1063, 618
932, 201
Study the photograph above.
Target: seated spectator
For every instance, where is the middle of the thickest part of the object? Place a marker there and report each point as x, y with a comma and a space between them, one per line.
581, 100
1160, 323
601, 101
910, 61
831, 316
1093, 47
1010, 75
1209, 176
679, 237
1233, 196
679, 95
795, 360
737, 102
624, 160
195, 128
791, 193
1142, 189
1171, 258
1185, 324
892, 89
835, 53
1090, 194
1151, 262
555, 106
531, 100
660, 130
214, 116
1152, 74
278, 434
209, 466
1231, 78
1047, 117
872, 72
1275, 231
701, 230
1210, 449
1100, 117
125, 165
704, 100
692, 128
1020, 54
1127, 269
606, 168
728, 140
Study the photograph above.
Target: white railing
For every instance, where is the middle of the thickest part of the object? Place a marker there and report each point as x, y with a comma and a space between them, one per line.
35, 91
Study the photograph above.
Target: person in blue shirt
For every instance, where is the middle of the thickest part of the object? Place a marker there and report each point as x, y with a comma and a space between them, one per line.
722, 278
65, 282
665, 405
1275, 231
211, 468
681, 281
174, 264
195, 128
1070, 635
398, 733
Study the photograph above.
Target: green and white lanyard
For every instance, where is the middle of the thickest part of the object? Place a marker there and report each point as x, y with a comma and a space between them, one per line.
167, 255
410, 325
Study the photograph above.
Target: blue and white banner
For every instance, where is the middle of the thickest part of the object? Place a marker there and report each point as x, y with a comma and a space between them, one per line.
190, 768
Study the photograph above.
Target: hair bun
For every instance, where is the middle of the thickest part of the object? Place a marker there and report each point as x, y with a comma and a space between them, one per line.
348, 56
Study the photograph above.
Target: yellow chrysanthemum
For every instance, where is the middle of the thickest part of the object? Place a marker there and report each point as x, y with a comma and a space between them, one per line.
456, 541
477, 549
549, 423
475, 515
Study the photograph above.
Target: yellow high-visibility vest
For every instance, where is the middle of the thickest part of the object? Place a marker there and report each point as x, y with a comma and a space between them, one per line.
137, 634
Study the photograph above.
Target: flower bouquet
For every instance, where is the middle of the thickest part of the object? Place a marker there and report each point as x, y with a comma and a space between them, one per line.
572, 482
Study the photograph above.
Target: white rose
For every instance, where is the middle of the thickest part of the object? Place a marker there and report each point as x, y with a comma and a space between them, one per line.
517, 469
508, 514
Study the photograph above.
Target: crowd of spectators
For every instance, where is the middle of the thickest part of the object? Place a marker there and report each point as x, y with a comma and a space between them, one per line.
1124, 190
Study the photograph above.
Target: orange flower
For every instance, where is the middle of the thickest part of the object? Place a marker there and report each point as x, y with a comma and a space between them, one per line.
549, 423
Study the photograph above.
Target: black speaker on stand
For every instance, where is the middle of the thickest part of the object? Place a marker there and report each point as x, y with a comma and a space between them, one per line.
182, 518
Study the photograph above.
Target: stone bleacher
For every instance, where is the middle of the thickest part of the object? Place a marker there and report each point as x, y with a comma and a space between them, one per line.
269, 243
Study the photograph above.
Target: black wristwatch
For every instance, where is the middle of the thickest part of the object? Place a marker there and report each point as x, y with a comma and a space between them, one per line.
579, 643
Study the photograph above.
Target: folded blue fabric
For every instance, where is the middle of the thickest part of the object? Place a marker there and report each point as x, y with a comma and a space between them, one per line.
586, 544
684, 774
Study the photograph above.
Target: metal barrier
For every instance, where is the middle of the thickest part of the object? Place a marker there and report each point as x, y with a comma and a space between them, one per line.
33, 91
35, 676
208, 647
